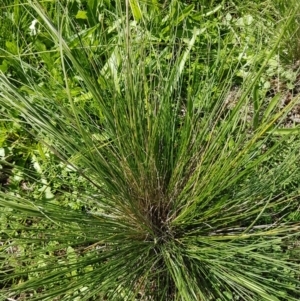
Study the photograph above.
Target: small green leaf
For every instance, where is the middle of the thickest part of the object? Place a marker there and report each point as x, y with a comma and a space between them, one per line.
267, 85
228, 295
245, 21
81, 14
184, 14
12, 47
231, 143
228, 17
136, 11
271, 106
281, 132
48, 193
248, 19
4, 66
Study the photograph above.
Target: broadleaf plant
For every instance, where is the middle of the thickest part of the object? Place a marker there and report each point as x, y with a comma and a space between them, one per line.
183, 199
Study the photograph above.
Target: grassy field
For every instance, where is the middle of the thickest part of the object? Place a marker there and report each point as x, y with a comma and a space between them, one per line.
149, 150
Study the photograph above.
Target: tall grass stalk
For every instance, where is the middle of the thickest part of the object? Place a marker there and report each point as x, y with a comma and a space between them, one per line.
189, 205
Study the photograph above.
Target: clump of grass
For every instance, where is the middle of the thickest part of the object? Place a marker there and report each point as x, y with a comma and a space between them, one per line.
189, 205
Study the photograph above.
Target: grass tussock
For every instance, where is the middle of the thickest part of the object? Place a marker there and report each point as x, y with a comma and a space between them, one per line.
159, 166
